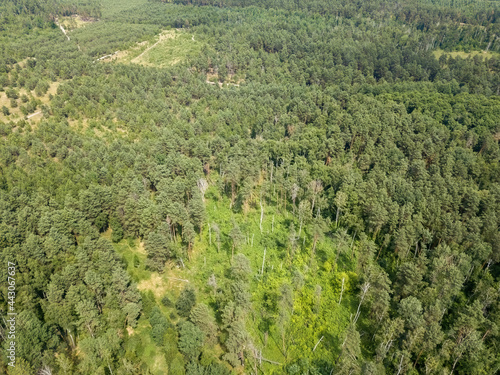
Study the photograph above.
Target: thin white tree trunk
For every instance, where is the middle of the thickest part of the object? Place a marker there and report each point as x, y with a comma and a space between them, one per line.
342, 290
401, 365
315, 346
364, 289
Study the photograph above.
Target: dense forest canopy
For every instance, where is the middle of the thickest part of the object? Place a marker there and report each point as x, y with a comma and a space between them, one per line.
215, 187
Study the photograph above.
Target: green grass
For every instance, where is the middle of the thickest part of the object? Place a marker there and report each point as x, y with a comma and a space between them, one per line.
128, 250
142, 345
174, 47
140, 341
168, 48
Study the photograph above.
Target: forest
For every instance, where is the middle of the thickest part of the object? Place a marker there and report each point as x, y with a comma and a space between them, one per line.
217, 187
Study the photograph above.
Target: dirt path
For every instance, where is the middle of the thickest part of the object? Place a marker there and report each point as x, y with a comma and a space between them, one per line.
163, 36
62, 29
106, 56
33, 114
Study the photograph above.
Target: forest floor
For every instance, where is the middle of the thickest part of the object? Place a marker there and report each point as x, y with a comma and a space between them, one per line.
15, 112
132, 253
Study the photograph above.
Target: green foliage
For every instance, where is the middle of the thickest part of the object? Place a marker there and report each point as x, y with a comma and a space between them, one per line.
166, 301
186, 301
148, 302
203, 319
159, 325
190, 340
157, 247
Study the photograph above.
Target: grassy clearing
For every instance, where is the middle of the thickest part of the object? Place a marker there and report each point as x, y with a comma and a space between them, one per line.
170, 47
464, 55
156, 283
74, 22
206, 260
140, 342
133, 254
311, 319
172, 50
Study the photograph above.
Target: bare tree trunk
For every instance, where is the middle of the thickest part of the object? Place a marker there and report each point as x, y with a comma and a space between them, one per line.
364, 290
315, 346
401, 365
342, 290
72, 339
90, 330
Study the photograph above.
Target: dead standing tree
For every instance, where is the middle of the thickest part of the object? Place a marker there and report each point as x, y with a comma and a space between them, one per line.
202, 186
364, 290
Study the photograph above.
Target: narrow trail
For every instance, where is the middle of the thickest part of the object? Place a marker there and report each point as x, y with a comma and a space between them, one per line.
33, 114
62, 29
163, 36
106, 56
135, 59
66, 33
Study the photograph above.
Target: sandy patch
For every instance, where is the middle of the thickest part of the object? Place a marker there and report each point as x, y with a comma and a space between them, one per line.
141, 249
156, 284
